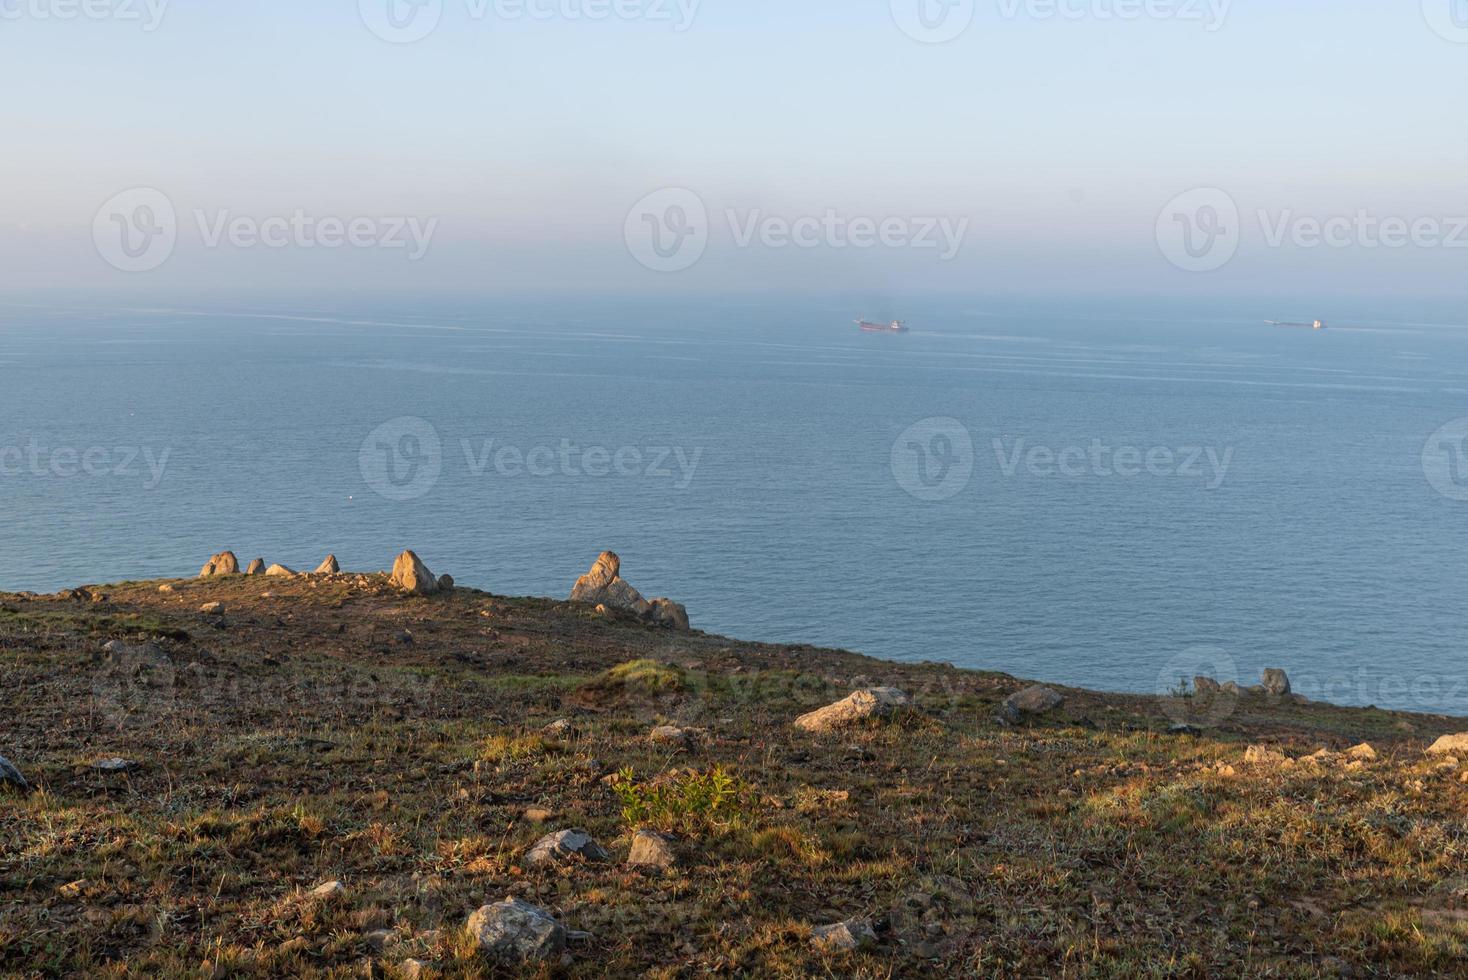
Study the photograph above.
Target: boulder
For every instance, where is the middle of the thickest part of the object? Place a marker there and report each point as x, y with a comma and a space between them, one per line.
11, 778
1232, 687
224, 563
666, 612
844, 937
651, 850
513, 931
563, 846
1036, 700
604, 586
1362, 753
280, 571
329, 566
1276, 682
212, 609
876, 702
1206, 685
445, 583
1450, 745
412, 576
257, 567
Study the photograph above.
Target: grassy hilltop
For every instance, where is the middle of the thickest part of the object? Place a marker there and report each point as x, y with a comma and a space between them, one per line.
336, 730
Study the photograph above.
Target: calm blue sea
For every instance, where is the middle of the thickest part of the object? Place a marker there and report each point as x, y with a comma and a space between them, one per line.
1167, 490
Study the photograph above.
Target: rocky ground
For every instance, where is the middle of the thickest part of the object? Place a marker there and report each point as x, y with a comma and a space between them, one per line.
324, 775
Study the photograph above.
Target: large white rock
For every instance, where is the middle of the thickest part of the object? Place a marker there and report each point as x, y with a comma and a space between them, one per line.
513, 931
224, 563
876, 702
1451, 745
563, 846
412, 576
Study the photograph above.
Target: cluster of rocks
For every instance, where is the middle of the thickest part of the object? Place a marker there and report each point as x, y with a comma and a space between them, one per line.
1355, 757
1275, 683
604, 586
409, 573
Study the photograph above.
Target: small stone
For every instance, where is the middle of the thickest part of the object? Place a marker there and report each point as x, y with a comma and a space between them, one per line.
1362, 753
672, 736
536, 814
560, 728
445, 583
844, 937
379, 939
1260, 756
876, 702
279, 571
212, 609
412, 969
329, 566
1450, 744
563, 846
1036, 700
1276, 682
651, 850
165, 588
73, 890
513, 931
329, 890
1206, 685
1185, 730
112, 766
1232, 687
11, 778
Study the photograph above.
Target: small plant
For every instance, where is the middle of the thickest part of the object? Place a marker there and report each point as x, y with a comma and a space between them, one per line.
646, 675
517, 748
690, 803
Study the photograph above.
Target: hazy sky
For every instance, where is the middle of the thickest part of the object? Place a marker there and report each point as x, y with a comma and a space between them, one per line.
1039, 149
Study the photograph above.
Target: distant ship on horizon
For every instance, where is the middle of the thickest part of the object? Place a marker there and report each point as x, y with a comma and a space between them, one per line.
895, 326
1317, 325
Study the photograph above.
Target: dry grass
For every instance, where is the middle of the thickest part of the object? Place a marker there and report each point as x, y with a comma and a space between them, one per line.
303, 740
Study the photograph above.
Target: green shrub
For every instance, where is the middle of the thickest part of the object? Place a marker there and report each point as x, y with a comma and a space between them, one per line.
690, 803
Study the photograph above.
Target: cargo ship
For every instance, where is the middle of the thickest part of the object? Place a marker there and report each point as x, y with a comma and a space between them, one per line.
896, 326
1317, 325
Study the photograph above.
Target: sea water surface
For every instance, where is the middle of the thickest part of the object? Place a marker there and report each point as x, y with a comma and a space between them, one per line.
1076, 495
